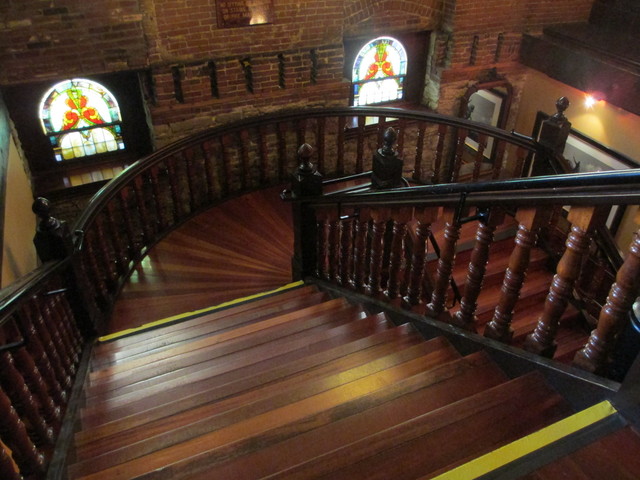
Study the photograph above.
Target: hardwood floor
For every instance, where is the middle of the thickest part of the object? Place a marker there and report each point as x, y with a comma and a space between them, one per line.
238, 248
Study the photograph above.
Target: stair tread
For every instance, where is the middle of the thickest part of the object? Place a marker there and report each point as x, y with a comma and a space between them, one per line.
598, 460
199, 346
276, 424
303, 351
243, 308
164, 340
458, 432
276, 395
127, 384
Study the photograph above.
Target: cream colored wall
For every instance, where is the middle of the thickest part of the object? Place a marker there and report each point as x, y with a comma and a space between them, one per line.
609, 125
18, 255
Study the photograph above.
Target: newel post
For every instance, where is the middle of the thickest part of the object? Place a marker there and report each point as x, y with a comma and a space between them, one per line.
306, 182
555, 129
387, 165
52, 239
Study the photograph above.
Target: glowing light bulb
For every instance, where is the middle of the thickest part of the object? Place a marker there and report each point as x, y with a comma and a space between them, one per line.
589, 101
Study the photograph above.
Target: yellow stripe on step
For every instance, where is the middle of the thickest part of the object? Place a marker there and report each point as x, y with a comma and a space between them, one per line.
529, 444
158, 323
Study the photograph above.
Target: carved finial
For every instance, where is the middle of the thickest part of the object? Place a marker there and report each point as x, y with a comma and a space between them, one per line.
42, 208
52, 235
304, 156
561, 105
389, 139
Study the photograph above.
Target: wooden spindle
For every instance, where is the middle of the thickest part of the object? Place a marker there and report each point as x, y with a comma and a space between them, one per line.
106, 253
322, 256
445, 264
8, 468
146, 222
438, 155
96, 275
521, 156
122, 258
414, 291
224, 167
465, 316
132, 239
333, 239
529, 222
360, 262
396, 255
189, 160
346, 246
23, 401
342, 121
417, 163
263, 150
542, 339
210, 162
459, 151
159, 215
243, 139
282, 150
320, 138
479, 157
14, 434
49, 323
360, 144
498, 147
62, 331
379, 217
614, 315
40, 356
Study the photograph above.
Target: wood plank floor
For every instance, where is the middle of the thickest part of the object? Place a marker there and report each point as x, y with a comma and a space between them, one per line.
238, 248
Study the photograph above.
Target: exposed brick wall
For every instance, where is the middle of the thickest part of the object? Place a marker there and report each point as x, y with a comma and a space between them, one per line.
39, 41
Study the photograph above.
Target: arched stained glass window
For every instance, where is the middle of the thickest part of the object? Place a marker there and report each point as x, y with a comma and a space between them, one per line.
81, 118
379, 72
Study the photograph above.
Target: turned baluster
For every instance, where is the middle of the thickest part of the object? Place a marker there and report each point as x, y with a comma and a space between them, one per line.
188, 159
360, 250
614, 315
56, 321
379, 217
459, 151
346, 244
133, 243
122, 259
499, 328
437, 162
479, 157
542, 339
396, 254
360, 144
97, 276
424, 218
342, 121
141, 207
23, 400
105, 256
322, 255
156, 198
52, 352
8, 468
417, 163
41, 358
499, 147
465, 317
243, 139
70, 323
333, 239
282, 149
14, 435
445, 264
210, 162
50, 324
320, 137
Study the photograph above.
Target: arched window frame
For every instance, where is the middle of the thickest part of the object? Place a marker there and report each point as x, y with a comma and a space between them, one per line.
82, 119
380, 67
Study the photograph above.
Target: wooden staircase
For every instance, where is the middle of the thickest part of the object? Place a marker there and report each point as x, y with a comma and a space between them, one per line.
297, 385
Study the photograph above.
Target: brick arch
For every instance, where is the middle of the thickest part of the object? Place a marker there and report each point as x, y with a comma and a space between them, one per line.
397, 12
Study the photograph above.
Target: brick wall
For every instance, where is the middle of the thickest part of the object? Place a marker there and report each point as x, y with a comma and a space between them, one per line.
176, 40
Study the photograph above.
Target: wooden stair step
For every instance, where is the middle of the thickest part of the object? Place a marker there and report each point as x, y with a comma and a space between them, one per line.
198, 346
425, 393
285, 421
236, 367
306, 355
166, 339
277, 395
227, 317
271, 334
458, 433
598, 460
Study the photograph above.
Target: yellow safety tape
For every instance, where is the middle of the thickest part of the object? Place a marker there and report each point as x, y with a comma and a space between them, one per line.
157, 323
526, 445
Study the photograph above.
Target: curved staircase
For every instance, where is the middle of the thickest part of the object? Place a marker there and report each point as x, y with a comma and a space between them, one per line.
297, 385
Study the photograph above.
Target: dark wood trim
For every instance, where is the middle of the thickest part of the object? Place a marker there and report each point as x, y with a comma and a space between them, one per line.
5, 141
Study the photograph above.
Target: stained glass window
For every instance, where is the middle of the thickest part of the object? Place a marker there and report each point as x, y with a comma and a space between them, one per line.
379, 72
81, 118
